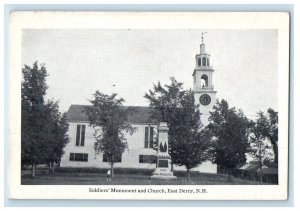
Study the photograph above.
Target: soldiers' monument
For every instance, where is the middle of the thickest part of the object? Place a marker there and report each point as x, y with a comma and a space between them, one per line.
163, 168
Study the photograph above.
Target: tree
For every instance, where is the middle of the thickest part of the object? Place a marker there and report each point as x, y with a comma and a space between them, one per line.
270, 131
257, 141
165, 100
109, 120
190, 149
176, 106
58, 127
43, 127
164, 103
230, 129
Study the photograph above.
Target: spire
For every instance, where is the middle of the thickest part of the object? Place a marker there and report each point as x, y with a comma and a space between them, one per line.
202, 46
202, 37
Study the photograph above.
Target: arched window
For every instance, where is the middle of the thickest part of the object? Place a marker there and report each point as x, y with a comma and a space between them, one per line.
204, 81
207, 61
204, 61
199, 62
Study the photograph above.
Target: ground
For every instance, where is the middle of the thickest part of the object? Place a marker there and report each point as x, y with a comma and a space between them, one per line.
63, 178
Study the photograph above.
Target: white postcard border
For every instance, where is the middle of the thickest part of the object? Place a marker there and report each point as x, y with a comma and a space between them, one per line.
145, 20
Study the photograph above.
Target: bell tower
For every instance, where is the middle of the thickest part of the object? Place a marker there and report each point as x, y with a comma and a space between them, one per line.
203, 88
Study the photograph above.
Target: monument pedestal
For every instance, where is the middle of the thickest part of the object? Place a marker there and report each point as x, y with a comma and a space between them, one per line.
163, 169
161, 173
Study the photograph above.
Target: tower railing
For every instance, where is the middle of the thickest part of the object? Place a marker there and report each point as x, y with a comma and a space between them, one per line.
205, 87
204, 67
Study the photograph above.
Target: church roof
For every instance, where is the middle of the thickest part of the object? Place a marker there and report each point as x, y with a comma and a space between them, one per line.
141, 114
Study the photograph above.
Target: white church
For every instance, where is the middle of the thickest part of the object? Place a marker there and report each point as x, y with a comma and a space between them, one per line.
79, 152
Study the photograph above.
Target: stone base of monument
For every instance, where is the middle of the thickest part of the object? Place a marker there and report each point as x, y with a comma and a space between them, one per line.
161, 173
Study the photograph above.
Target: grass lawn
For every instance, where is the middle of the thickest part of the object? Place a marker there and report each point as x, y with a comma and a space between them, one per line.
63, 178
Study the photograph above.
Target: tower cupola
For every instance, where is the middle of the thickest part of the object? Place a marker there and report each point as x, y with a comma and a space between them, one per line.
202, 59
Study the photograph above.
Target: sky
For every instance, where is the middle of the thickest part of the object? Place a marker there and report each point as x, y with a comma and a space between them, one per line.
130, 61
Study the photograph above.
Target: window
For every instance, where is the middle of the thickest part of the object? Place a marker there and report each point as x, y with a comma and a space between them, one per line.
207, 61
118, 159
199, 62
204, 61
147, 159
79, 157
80, 135
149, 135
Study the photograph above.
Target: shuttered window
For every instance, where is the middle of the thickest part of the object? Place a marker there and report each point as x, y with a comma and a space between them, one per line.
149, 137
80, 135
146, 137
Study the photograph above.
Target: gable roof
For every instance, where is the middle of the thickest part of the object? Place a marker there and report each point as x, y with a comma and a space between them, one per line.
141, 114
246, 166
249, 167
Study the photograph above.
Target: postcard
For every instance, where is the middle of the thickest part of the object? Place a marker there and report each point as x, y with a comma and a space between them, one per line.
148, 105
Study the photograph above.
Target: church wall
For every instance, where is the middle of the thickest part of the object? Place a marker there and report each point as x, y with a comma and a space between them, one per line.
130, 158
72, 148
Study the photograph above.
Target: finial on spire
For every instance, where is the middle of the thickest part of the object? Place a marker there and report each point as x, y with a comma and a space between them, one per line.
202, 45
202, 37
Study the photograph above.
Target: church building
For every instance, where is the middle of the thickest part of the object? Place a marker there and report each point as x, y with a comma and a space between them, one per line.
79, 152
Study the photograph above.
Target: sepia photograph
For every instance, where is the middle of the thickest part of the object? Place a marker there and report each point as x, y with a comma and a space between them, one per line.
174, 111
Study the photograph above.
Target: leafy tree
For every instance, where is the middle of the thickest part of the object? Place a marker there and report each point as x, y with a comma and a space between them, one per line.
269, 162
176, 106
109, 120
230, 129
190, 149
43, 127
257, 140
165, 102
270, 131
58, 127
33, 90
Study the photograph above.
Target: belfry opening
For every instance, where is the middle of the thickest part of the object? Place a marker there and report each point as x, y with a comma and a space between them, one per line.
204, 81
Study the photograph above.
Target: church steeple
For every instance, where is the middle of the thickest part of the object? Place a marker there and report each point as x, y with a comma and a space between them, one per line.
204, 92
